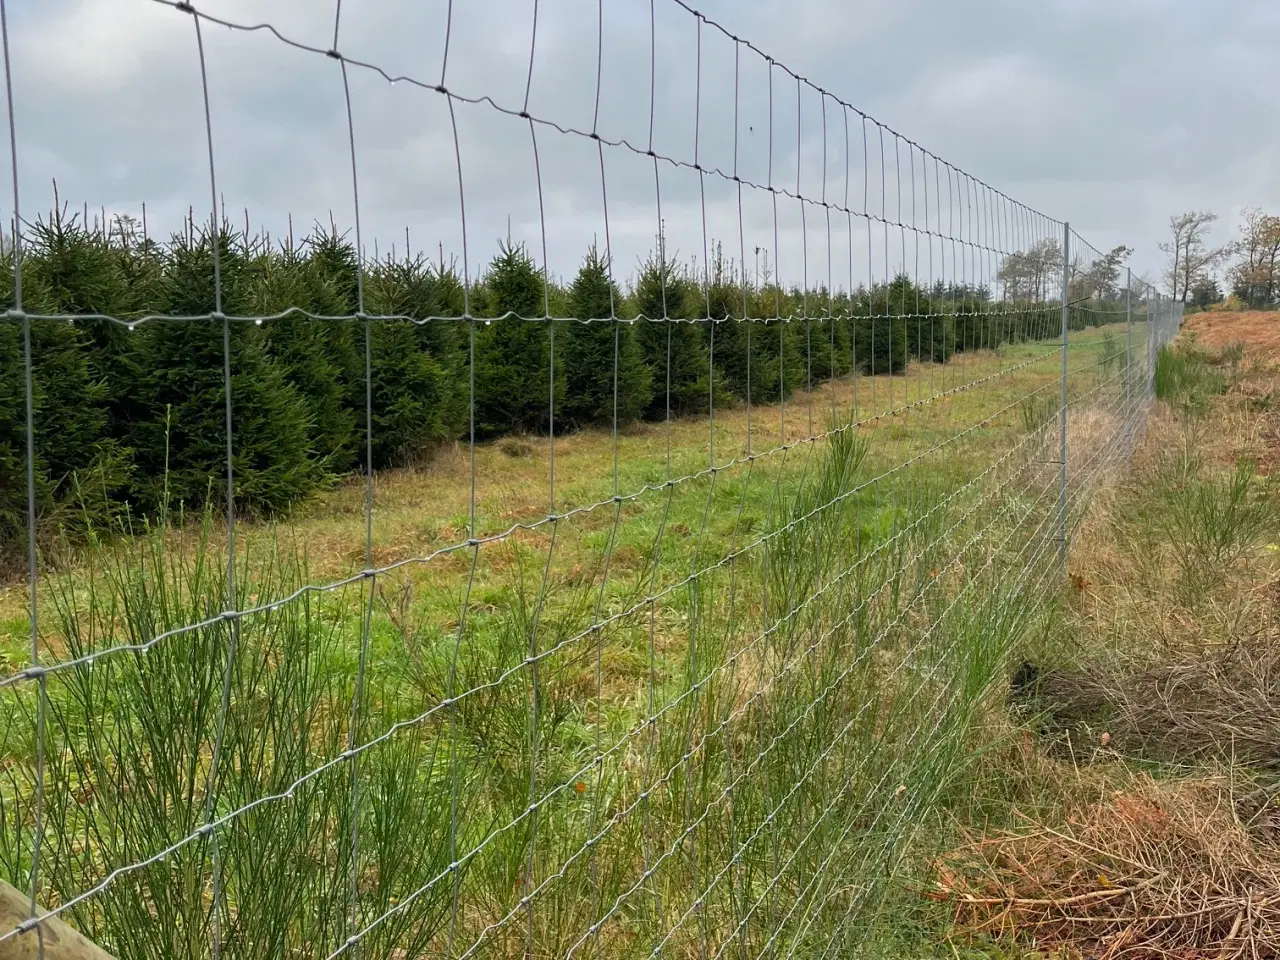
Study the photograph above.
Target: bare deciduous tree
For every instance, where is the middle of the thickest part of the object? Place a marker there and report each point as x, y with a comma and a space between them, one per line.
1034, 274
1101, 279
1255, 275
1190, 259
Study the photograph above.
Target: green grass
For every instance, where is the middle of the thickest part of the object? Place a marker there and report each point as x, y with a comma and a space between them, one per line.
1186, 378
745, 703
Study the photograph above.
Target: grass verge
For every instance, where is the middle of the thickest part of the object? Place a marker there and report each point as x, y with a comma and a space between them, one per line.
731, 711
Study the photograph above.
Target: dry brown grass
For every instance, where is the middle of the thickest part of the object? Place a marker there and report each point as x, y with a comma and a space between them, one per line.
1152, 871
1259, 329
1113, 863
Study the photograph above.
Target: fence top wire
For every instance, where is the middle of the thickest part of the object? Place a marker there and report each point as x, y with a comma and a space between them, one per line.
971, 181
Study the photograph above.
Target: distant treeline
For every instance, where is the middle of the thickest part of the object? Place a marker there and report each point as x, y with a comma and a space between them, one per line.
130, 419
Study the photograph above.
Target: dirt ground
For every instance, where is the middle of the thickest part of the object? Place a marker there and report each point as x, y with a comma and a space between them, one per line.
1259, 329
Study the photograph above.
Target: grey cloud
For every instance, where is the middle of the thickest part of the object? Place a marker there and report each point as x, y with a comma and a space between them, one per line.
1113, 115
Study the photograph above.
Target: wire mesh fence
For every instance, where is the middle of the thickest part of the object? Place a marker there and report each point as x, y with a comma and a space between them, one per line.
401, 609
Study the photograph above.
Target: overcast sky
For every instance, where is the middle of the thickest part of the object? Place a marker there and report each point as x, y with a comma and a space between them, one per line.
1112, 114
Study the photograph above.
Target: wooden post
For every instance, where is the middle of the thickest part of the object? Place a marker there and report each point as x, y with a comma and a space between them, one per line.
61, 942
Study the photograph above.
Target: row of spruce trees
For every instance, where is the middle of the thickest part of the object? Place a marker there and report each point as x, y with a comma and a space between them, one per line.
128, 419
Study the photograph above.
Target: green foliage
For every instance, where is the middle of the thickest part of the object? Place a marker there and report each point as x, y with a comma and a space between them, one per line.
1112, 353
832, 346
1038, 409
1185, 379
882, 342
1212, 522
180, 438
932, 338
65, 270
598, 354
676, 352
513, 353
122, 414
761, 359
131, 741
419, 396
315, 356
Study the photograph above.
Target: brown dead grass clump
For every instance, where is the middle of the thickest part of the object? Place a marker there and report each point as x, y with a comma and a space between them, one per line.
1221, 701
1209, 703
1259, 329
1153, 871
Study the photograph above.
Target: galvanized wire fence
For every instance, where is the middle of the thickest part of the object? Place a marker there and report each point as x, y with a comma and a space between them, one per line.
693, 682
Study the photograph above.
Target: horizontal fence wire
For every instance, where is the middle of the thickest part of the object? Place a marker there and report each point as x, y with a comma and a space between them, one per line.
374, 606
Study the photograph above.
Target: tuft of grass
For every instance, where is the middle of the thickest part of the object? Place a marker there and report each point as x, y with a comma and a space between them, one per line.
1211, 522
1186, 379
1037, 410
136, 761
514, 447
1112, 353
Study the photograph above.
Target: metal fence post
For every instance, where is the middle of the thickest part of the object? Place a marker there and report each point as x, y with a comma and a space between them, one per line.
1062, 415
1153, 326
1129, 412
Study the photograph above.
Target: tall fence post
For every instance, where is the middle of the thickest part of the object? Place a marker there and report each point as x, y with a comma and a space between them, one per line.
1153, 327
1131, 419
1062, 413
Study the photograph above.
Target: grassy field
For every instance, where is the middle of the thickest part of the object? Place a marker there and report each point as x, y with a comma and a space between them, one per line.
722, 691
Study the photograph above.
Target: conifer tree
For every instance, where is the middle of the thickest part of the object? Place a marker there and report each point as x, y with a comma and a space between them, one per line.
416, 388
303, 350
675, 352
81, 470
180, 441
881, 331
600, 353
513, 352
72, 449
333, 276
930, 332
741, 348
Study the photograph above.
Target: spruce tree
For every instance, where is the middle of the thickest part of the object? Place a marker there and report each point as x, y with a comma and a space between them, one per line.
513, 353
78, 271
75, 460
930, 331
675, 352
830, 355
598, 353
302, 348
333, 276
418, 391
182, 395
881, 340
82, 471
738, 345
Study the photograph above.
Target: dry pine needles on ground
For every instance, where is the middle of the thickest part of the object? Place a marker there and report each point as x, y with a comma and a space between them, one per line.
1153, 871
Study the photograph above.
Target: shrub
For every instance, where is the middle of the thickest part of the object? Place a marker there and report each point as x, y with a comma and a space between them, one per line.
1185, 379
